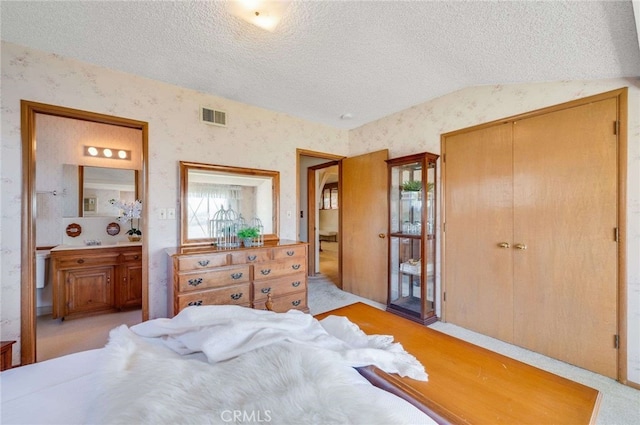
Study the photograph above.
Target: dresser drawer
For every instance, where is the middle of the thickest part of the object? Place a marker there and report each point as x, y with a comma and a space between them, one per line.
289, 252
213, 278
297, 300
278, 287
235, 294
197, 262
251, 256
274, 269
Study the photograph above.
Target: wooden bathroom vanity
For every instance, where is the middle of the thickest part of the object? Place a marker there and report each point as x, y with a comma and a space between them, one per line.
96, 279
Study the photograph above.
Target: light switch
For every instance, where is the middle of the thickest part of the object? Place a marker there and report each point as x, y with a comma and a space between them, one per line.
162, 214
171, 213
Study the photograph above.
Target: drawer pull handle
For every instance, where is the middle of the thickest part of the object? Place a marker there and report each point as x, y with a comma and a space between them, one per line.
295, 303
290, 253
204, 263
295, 266
199, 302
195, 282
236, 296
136, 257
80, 261
236, 275
265, 271
295, 284
252, 257
265, 290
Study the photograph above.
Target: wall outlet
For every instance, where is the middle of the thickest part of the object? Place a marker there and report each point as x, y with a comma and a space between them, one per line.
162, 214
171, 213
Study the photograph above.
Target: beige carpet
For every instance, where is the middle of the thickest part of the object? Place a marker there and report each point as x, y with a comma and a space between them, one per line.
55, 338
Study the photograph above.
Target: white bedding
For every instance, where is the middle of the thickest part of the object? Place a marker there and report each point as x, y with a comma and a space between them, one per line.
63, 390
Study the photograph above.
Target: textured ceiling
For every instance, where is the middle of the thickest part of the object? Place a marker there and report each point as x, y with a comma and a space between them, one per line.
329, 58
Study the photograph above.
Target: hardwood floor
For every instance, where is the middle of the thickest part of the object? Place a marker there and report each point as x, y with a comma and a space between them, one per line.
329, 261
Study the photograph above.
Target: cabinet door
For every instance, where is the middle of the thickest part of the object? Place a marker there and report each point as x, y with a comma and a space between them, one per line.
130, 291
89, 290
479, 218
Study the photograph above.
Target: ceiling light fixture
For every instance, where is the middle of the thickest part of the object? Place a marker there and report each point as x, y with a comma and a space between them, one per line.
265, 14
98, 152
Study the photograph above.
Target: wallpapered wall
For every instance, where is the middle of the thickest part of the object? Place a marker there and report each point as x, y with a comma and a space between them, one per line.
261, 139
61, 141
418, 129
254, 138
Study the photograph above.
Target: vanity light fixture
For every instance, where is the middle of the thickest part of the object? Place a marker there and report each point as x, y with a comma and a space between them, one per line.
98, 152
265, 14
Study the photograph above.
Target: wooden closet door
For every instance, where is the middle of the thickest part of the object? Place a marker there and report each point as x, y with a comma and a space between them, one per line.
565, 212
478, 219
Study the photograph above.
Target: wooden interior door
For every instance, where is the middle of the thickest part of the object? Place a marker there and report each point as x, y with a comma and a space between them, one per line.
565, 212
478, 231
364, 225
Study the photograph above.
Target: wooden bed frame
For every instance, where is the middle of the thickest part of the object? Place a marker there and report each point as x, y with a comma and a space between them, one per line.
469, 384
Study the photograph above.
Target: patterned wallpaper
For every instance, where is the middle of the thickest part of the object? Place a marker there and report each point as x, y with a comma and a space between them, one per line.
418, 129
260, 139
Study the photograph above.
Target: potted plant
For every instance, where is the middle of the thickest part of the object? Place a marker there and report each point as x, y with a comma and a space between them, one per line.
247, 234
129, 211
412, 186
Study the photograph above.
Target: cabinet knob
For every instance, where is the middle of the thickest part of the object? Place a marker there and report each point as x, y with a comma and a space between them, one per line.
520, 246
504, 245
203, 263
290, 253
80, 261
236, 296
295, 266
382, 235
236, 276
265, 272
296, 303
252, 257
265, 290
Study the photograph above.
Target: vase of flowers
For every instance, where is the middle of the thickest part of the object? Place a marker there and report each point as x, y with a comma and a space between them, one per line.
128, 212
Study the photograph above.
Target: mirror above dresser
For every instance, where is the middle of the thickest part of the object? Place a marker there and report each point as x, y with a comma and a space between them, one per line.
250, 195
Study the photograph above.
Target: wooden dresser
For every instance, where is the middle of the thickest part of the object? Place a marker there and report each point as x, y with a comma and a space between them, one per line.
96, 280
241, 276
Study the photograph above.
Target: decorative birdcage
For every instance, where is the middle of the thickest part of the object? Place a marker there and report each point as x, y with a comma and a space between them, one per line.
256, 223
223, 228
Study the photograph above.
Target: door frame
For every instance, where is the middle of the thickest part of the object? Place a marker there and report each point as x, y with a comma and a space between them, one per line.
622, 128
311, 207
29, 109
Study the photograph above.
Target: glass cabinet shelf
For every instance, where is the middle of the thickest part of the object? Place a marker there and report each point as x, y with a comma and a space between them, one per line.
412, 238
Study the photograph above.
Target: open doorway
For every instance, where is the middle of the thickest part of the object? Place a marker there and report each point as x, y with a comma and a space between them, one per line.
315, 169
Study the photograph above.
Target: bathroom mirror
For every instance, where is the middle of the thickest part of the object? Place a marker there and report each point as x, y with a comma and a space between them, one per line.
89, 189
205, 189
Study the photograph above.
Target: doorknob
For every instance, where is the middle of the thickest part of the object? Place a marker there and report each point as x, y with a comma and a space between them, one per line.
520, 246
504, 245
381, 235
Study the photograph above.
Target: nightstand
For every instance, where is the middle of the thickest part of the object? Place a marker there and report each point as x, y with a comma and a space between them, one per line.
5, 354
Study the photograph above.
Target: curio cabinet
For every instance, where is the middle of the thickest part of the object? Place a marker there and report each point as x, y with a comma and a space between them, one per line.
412, 237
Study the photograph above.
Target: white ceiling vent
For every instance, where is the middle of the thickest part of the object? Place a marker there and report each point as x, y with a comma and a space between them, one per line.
213, 117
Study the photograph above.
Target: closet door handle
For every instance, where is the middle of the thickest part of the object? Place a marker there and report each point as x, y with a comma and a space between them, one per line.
520, 246
504, 245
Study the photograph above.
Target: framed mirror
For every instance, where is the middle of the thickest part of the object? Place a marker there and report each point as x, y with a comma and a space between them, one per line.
207, 189
89, 190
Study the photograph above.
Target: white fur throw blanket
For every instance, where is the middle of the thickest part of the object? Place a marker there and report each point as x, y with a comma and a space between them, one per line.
282, 368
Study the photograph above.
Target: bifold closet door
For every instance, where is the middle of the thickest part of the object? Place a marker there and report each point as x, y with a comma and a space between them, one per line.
565, 214
479, 230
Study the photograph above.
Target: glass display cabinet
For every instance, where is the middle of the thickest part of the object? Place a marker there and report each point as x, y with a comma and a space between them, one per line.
412, 237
